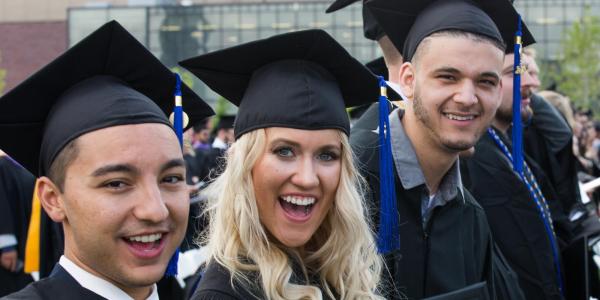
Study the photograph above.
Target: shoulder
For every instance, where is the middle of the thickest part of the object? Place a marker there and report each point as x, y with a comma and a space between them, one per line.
216, 283
470, 201
31, 291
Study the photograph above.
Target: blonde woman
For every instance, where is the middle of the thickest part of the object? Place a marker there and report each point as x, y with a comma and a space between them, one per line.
287, 220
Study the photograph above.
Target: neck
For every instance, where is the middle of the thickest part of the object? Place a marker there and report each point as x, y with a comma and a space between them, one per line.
134, 292
434, 161
501, 125
394, 73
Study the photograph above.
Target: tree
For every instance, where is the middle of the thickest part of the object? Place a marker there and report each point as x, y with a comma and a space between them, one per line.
580, 61
2, 77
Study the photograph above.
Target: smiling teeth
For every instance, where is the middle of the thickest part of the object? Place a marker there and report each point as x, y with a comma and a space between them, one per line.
150, 238
299, 200
459, 118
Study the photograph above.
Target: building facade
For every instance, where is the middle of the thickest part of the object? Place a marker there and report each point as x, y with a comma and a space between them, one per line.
174, 30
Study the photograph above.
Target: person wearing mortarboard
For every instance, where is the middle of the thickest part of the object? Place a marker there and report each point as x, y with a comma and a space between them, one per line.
93, 125
16, 189
548, 140
287, 218
453, 52
387, 66
223, 132
530, 224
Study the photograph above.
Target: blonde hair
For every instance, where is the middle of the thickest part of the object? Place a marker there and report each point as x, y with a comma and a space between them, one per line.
347, 267
561, 103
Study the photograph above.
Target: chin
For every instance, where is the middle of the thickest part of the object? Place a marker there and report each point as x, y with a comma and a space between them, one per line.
294, 242
147, 276
458, 145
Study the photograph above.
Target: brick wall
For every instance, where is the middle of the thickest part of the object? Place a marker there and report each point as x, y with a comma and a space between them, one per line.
27, 46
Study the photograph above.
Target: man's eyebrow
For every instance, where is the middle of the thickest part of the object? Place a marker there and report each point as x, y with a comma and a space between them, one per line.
448, 70
115, 168
173, 163
491, 74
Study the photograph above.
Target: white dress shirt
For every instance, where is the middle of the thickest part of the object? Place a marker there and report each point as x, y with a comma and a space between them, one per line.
96, 284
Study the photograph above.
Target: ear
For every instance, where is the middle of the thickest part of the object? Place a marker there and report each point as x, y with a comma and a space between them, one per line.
51, 199
407, 79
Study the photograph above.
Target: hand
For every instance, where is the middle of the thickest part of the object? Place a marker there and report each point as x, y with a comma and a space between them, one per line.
8, 260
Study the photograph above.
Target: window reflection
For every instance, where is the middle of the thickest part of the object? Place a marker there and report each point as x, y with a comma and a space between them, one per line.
173, 33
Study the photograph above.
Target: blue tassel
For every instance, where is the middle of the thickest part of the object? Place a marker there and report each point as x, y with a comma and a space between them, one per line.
388, 237
178, 126
517, 130
178, 111
172, 266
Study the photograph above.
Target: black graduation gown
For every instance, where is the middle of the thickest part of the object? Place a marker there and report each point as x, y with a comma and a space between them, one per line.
514, 218
58, 286
216, 285
548, 140
16, 191
454, 251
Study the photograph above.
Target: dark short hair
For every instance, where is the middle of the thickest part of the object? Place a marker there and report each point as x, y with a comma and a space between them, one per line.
458, 33
58, 168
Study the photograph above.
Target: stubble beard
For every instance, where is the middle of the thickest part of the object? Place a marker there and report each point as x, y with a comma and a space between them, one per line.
445, 144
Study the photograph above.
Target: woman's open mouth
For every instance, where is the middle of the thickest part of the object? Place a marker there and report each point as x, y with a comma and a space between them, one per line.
297, 208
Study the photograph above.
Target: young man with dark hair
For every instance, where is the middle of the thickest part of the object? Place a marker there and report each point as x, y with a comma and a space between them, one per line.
453, 53
93, 125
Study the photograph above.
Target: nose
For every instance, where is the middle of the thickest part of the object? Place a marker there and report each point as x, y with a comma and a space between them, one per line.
150, 206
466, 94
527, 81
305, 175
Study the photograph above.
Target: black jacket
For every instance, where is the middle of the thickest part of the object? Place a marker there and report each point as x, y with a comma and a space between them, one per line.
514, 218
454, 251
58, 286
216, 285
16, 191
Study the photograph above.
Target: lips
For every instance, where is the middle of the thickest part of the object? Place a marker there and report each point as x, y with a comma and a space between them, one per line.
297, 208
146, 246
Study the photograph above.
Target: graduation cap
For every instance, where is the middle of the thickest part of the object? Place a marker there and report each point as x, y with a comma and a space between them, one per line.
407, 23
108, 79
378, 67
105, 80
371, 29
302, 80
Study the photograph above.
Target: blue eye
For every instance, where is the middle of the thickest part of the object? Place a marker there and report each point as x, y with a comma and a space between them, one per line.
327, 156
284, 152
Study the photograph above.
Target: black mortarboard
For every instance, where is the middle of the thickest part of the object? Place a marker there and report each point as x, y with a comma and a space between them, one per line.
301, 80
407, 23
371, 29
107, 79
378, 67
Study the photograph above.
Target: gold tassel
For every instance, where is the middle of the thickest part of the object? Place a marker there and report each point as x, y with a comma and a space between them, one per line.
32, 246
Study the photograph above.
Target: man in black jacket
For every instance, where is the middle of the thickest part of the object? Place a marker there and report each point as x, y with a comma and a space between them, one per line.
523, 211
16, 191
451, 77
93, 125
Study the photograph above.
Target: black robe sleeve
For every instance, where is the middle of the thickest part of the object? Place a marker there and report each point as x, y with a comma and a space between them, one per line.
216, 284
16, 191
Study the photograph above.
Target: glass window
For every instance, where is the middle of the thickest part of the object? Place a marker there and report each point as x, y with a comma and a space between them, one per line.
230, 38
268, 17
231, 17
84, 21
